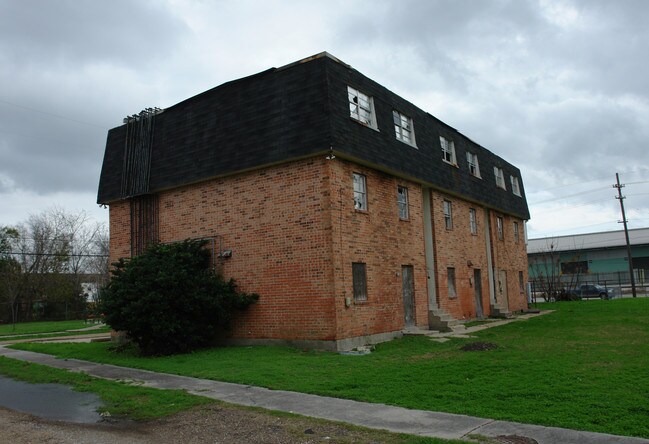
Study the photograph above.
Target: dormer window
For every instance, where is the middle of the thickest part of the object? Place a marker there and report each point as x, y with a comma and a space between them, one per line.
474, 167
361, 107
516, 189
403, 128
448, 150
500, 178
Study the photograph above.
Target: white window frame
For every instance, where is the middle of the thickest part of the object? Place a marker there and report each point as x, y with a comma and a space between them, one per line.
500, 178
361, 107
448, 214
402, 202
500, 228
360, 192
474, 166
473, 221
516, 189
448, 150
403, 128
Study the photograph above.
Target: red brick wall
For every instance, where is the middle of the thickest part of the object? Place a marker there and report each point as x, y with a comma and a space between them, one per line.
510, 256
465, 252
275, 221
385, 243
294, 234
120, 230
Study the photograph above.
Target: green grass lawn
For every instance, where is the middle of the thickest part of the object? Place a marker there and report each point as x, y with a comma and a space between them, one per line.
585, 366
140, 403
25, 328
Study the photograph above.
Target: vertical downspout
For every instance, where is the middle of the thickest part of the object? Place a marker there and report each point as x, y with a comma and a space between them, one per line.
490, 262
335, 254
428, 248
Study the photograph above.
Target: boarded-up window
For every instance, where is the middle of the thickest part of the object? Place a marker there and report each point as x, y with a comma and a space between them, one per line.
517, 235
521, 282
450, 276
144, 223
359, 277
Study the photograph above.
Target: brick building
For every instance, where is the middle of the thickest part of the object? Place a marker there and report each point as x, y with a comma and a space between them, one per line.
350, 211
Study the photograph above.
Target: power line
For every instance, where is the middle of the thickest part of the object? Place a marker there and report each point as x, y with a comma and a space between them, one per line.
570, 195
58, 116
57, 255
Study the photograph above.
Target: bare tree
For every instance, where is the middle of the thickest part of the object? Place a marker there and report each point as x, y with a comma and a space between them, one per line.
552, 278
55, 251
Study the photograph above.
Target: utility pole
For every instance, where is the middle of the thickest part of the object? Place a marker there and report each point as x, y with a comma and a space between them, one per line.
626, 230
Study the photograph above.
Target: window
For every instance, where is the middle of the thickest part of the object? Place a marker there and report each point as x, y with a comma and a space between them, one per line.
577, 267
450, 276
403, 129
145, 222
448, 215
359, 279
516, 189
473, 221
516, 233
474, 167
448, 150
499, 227
402, 202
360, 195
500, 178
521, 282
361, 107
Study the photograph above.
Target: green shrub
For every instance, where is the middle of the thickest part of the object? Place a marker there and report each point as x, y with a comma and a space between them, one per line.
169, 301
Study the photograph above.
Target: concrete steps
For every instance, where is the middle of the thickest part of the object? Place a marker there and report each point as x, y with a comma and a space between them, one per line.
498, 311
443, 322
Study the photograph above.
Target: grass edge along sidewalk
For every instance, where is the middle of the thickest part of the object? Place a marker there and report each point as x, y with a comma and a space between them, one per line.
375, 416
582, 367
135, 402
27, 331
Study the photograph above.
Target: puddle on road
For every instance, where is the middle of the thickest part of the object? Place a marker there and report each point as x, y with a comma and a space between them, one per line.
50, 401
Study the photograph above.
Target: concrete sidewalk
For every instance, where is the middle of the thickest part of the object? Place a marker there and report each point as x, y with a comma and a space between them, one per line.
376, 416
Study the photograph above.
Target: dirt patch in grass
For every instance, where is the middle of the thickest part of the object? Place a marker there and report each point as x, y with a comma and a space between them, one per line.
478, 346
504, 439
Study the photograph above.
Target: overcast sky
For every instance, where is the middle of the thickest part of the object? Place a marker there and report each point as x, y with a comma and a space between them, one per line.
558, 88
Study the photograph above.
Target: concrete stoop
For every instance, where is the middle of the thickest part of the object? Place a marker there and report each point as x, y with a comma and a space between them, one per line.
443, 322
498, 311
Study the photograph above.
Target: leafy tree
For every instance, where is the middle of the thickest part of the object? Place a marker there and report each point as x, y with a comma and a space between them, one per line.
168, 300
11, 277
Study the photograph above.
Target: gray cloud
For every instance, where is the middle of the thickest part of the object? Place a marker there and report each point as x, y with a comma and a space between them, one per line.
557, 87
73, 68
64, 32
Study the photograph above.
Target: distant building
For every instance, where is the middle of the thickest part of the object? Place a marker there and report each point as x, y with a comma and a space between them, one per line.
350, 211
595, 257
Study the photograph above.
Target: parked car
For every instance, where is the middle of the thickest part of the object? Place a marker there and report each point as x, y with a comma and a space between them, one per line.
591, 291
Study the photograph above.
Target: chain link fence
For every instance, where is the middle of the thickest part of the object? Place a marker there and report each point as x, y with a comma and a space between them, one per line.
617, 283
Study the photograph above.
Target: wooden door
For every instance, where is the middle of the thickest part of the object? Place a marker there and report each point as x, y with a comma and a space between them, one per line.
477, 290
502, 289
408, 295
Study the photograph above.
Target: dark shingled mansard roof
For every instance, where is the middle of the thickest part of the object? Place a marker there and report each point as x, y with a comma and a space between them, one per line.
298, 111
